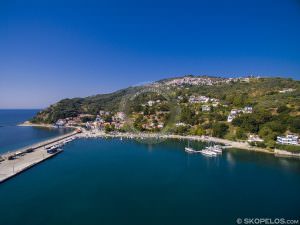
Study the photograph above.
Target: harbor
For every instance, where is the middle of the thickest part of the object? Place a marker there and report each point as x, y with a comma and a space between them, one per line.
16, 162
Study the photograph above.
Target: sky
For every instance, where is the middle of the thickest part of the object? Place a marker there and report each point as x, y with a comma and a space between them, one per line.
50, 50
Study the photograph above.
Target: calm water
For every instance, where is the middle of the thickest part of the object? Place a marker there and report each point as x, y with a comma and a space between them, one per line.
114, 182
13, 136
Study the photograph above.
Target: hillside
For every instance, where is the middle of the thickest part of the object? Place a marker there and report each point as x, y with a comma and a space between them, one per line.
232, 108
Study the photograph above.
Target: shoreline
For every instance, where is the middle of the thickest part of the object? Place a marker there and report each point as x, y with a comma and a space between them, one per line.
229, 143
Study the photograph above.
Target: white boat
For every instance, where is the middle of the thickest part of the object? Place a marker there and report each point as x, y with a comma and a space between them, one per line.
189, 149
208, 153
216, 148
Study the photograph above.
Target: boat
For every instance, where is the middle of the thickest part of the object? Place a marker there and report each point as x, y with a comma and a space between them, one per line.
208, 153
216, 148
189, 149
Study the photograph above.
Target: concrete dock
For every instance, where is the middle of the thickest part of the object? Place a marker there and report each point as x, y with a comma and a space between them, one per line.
28, 157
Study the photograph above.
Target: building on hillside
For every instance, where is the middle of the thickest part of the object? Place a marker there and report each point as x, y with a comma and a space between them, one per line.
205, 108
286, 90
180, 124
254, 138
247, 109
198, 99
230, 118
160, 125
120, 115
289, 139
150, 103
60, 123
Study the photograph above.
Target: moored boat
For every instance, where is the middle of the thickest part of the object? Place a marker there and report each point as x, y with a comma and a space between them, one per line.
208, 153
190, 150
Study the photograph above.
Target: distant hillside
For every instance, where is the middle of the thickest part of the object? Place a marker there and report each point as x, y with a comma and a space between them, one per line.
232, 108
263, 92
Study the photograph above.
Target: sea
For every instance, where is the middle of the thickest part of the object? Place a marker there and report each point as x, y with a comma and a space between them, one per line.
127, 182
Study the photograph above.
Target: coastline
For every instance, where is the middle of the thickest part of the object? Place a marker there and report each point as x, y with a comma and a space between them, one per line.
230, 144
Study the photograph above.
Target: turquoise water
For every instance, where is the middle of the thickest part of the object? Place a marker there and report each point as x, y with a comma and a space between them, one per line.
13, 137
114, 182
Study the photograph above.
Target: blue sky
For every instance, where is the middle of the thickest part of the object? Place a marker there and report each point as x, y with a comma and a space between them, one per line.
58, 49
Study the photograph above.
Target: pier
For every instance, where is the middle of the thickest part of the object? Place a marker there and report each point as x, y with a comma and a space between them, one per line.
15, 162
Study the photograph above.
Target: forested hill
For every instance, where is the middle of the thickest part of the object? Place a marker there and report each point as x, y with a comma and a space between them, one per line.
262, 93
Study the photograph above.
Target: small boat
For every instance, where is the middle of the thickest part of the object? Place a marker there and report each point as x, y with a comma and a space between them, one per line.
189, 149
216, 148
208, 153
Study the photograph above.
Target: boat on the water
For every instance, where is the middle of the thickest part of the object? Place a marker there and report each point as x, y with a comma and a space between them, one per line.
190, 149
216, 148
208, 153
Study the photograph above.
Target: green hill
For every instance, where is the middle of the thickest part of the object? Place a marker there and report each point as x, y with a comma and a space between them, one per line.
275, 103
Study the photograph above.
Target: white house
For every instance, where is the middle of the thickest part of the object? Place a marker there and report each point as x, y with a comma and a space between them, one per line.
180, 124
150, 103
289, 139
60, 123
230, 117
247, 109
205, 108
160, 125
254, 138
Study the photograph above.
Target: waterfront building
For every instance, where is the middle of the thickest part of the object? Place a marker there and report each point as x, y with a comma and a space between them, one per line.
254, 138
289, 139
60, 123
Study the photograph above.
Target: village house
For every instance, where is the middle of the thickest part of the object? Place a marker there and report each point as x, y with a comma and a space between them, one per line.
205, 108
180, 124
60, 123
230, 118
120, 115
198, 99
150, 103
247, 109
286, 90
289, 139
235, 112
254, 138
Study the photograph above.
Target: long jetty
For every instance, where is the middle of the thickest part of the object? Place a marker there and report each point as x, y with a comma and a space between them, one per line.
15, 162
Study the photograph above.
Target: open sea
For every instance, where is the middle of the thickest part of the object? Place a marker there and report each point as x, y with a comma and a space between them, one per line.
118, 182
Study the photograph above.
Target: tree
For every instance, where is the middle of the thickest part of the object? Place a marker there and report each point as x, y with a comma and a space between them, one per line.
186, 115
219, 129
283, 108
294, 124
198, 130
240, 134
